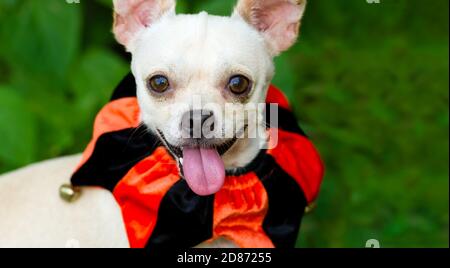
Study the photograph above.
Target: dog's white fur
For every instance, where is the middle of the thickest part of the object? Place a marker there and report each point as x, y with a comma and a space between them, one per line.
33, 215
199, 53
212, 50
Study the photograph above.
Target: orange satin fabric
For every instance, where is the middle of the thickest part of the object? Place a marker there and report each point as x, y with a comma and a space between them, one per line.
297, 156
276, 96
295, 153
141, 191
239, 211
116, 115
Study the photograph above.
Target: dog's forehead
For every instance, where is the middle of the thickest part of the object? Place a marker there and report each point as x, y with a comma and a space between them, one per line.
203, 39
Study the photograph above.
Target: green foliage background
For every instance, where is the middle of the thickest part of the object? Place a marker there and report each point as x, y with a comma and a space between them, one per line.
369, 83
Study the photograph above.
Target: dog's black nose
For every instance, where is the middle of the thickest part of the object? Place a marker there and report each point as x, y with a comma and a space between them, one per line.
197, 124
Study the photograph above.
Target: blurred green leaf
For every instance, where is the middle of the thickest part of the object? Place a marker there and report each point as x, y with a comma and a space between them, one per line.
94, 78
106, 3
4, 4
215, 7
285, 76
17, 129
50, 29
183, 6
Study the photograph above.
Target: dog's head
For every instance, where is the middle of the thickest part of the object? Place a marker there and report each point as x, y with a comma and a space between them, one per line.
200, 78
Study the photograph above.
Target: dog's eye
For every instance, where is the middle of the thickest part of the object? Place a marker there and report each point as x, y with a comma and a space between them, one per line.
239, 84
158, 83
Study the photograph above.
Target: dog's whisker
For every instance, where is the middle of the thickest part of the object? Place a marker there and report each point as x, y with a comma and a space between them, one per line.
140, 127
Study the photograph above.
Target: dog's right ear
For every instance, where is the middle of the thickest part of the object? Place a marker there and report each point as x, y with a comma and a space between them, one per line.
133, 16
277, 20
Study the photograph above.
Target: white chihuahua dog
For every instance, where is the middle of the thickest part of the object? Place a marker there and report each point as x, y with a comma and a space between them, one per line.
177, 60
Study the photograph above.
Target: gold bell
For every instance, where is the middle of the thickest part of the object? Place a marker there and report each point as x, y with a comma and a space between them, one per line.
69, 193
310, 208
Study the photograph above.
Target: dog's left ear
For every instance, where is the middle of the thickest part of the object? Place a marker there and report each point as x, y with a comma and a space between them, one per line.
132, 16
278, 20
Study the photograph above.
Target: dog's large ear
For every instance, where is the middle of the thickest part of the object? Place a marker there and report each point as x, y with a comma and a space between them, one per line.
277, 20
132, 16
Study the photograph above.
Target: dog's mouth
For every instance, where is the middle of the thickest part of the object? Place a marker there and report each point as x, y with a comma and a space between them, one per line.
201, 164
177, 151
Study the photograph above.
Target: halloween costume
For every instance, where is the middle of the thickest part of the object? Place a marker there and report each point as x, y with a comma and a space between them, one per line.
260, 205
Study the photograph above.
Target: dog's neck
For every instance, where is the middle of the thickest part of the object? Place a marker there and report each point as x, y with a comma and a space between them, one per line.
243, 152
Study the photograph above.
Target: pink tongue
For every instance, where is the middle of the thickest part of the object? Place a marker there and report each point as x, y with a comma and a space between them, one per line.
203, 170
